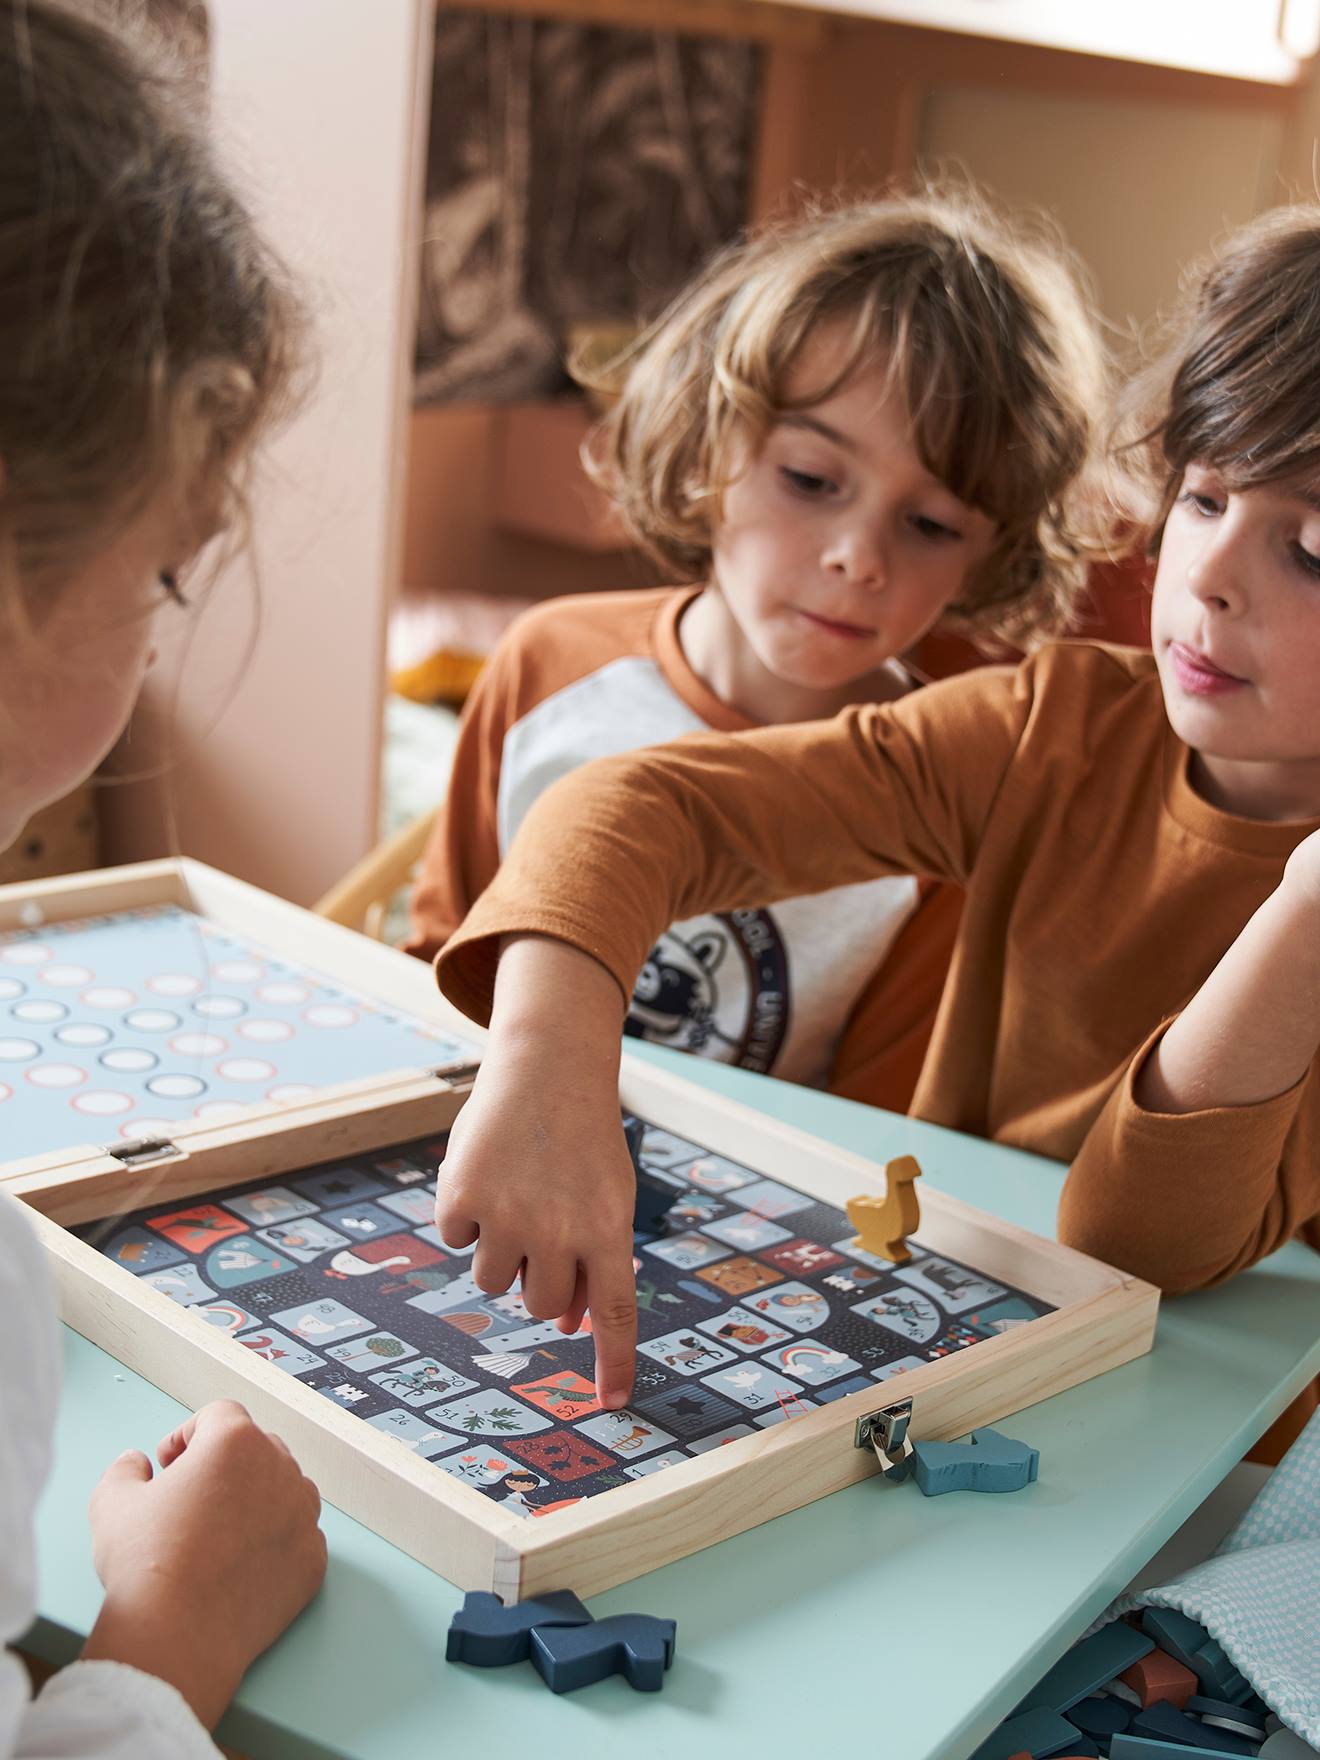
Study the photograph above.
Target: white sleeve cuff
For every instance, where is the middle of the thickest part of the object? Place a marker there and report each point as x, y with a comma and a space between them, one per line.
109, 1711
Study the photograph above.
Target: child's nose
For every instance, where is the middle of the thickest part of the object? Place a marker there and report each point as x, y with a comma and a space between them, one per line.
1214, 575
859, 556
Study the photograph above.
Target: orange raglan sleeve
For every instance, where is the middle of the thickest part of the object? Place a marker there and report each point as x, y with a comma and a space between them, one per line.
463, 850
884, 1041
714, 822
1188, 1199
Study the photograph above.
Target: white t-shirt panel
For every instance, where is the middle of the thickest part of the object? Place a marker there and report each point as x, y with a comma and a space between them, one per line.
769, 990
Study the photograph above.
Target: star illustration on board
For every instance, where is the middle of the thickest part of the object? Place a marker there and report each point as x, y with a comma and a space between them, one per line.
684, 1407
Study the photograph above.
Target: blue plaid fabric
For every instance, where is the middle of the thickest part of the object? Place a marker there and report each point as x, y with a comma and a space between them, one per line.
1259, 1595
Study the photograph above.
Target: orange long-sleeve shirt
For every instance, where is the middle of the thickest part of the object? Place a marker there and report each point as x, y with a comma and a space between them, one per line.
1101, 892
832, 990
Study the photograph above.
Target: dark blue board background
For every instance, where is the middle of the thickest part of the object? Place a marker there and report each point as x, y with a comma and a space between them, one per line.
754, 1308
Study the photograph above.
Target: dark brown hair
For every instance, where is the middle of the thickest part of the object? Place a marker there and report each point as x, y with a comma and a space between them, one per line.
987, 336
147, 333
1235, 381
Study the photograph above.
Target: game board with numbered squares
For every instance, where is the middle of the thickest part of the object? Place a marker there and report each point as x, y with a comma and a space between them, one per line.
126, 1025
754, 1308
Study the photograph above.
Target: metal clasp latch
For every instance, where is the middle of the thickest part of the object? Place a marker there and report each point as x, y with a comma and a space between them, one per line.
143, 1152
886, 1431
459, 1075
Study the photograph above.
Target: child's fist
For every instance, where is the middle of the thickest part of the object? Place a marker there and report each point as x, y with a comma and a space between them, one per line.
176, 1553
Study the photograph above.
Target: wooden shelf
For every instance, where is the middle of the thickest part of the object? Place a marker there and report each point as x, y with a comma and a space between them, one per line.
541, 489
764, 21
1268, 41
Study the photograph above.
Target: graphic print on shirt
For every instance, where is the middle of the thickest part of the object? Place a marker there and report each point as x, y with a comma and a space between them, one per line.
767, 990
717, 986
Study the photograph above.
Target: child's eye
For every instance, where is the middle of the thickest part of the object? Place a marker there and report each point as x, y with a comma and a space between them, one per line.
1307, 560
1206, 505
806, 482
933, 528
169, 582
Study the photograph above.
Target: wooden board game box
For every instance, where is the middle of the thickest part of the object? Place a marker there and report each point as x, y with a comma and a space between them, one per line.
284, 1254
137, 1000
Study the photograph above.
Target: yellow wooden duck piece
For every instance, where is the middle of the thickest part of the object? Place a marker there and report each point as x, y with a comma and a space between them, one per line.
883, 1224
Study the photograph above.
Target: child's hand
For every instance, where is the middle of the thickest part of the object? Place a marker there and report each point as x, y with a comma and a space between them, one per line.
537, 1172
207, 1562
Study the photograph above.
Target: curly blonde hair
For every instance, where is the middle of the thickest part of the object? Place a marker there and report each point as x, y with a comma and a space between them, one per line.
147, 332
987, 335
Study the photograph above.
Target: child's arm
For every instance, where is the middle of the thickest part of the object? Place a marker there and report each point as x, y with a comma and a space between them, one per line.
537, 1171
1253, 1028
1206, 1157
608, 859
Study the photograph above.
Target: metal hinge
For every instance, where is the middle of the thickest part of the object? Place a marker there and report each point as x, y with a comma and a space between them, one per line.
144, 1152
459, 1075
886, 1431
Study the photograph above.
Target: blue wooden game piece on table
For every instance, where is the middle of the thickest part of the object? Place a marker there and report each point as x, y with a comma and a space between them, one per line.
1102, 1719
1190, 1643
1040, 1733
1088, 1665
1167, 1724
487, 1634
1130, 1747
987, 1462
634, 1645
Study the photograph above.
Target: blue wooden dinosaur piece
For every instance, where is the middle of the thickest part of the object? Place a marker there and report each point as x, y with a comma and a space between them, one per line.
987, 1462
487, 1634
567, 1647
634, 1645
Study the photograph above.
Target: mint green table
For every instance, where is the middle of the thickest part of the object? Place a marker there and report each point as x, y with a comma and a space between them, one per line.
908, 1626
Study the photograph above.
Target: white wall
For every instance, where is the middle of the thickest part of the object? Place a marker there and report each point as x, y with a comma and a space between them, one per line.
1139, 187
320, 104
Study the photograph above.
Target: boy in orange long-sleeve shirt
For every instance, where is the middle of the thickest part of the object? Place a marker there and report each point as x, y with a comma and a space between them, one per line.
1136, 985
918, 387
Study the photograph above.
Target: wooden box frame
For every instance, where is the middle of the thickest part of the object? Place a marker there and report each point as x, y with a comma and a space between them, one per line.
381, 973
1102, 1317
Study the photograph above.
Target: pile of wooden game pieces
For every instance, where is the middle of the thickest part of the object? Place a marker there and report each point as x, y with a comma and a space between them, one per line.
567, 1647
1161, 1689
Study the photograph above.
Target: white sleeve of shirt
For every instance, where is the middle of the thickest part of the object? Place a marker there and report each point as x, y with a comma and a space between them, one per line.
92, 1710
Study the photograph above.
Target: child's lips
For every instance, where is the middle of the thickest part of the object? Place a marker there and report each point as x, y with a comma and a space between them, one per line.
836, 626
1199, 675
